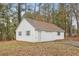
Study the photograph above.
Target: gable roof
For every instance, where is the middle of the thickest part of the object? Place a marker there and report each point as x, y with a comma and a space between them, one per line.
44, 26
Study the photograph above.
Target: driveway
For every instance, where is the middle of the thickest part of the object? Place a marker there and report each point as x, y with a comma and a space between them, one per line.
74, 43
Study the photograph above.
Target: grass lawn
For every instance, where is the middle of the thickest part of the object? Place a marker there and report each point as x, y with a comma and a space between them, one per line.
57, 48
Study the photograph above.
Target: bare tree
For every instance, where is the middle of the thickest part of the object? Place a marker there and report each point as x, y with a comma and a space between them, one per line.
25, 7
39, 6
76, 13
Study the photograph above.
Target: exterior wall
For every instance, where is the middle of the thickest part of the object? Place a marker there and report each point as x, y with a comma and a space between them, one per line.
23, 27
49, 36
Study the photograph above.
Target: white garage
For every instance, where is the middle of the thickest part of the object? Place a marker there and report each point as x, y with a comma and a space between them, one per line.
37, 31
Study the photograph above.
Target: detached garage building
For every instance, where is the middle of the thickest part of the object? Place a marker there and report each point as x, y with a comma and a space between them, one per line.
38, 31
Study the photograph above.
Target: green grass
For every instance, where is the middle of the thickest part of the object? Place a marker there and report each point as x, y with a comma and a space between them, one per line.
57, 48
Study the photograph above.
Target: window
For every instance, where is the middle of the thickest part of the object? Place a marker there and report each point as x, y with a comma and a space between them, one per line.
20, 33
28, 33
58, 33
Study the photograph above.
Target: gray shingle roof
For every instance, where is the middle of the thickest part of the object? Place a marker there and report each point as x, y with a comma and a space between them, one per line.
44, 26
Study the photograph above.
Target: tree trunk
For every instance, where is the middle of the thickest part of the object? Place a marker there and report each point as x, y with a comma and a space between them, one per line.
25, 7
35, 11
53, 15
39, 7
19, 12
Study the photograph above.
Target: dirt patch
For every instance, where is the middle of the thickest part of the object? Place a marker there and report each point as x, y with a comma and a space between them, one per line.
57, 48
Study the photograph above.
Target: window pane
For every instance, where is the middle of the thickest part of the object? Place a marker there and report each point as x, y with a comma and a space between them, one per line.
27, 32
20, 33
58, 33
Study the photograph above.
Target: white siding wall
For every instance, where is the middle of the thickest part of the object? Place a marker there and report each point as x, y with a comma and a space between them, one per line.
38, 35
49, 36
23, 27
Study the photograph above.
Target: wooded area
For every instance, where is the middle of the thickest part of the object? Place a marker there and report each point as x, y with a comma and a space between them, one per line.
61, 14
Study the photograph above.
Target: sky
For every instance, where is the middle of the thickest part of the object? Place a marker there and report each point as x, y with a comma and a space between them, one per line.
32, 5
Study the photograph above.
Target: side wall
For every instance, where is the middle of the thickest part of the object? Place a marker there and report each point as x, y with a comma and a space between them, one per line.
48, 36
23, 27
